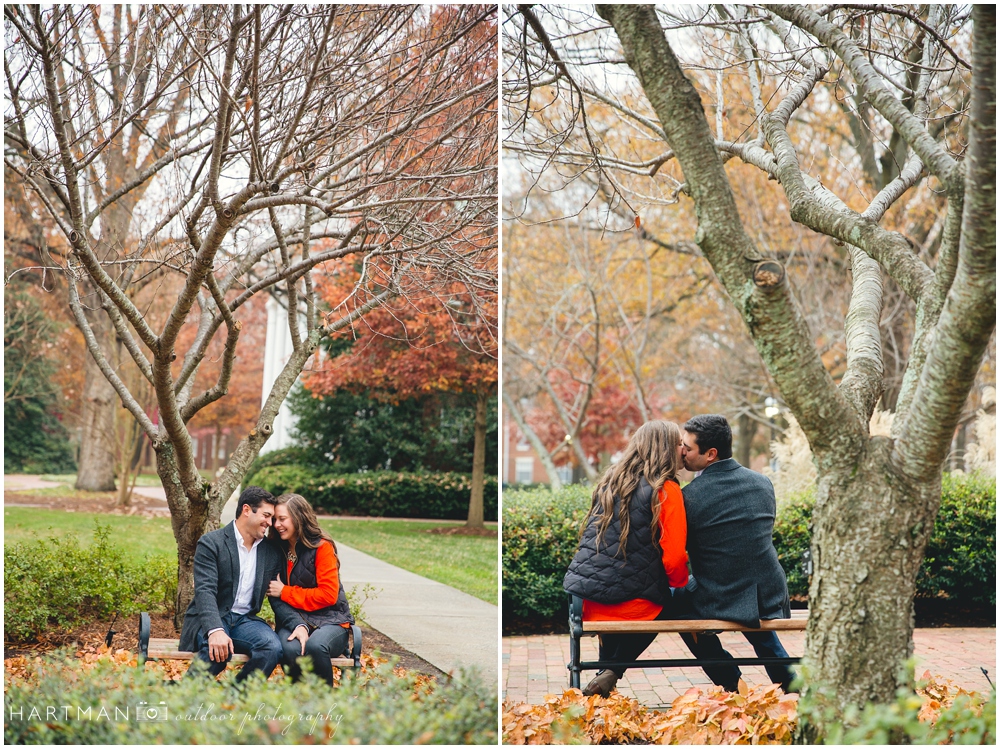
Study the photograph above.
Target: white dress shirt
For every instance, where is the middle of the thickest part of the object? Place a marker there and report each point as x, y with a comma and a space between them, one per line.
248, 573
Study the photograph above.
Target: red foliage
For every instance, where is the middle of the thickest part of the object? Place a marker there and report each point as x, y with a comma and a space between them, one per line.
440, 340
611, 416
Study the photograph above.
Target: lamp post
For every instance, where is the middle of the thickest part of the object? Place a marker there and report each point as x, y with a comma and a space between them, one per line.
770, 411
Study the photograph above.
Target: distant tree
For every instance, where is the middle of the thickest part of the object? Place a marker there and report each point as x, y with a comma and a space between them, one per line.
436, 343
35, 439
349, 431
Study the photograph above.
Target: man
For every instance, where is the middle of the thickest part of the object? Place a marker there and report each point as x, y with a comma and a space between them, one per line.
232, 567
730, 518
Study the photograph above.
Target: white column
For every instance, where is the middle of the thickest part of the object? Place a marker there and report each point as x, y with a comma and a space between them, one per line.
277, 350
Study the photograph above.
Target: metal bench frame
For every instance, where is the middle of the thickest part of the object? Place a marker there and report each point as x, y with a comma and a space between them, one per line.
352, 651
579, 628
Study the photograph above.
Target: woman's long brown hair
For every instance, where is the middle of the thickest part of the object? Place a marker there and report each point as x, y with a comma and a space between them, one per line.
650, 454
306, 526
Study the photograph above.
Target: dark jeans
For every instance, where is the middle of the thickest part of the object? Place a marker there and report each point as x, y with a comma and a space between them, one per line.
765, 645
324, 643
251, 637
629, 647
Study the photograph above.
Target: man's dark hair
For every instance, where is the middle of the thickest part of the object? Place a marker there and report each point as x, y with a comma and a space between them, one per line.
253, 496
711, 430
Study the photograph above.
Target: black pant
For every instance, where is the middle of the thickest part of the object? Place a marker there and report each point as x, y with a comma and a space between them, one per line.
251, 637
765, 645
629, 647
324, 643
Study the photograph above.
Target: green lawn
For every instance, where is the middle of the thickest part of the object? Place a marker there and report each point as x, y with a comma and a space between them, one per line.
140, 536
467, 563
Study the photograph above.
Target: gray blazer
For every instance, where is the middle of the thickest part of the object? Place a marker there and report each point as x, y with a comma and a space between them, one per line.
216, 575
730, 518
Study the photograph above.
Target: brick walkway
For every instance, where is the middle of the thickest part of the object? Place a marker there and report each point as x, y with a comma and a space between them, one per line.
535, 666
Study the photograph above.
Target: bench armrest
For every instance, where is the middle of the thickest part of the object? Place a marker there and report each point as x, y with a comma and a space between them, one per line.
575, 614
355, 652
144, 630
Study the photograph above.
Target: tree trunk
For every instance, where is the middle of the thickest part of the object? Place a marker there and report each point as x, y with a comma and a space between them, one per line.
190, 519
475, 519
96, 471
747, 431
536, 444
870, 527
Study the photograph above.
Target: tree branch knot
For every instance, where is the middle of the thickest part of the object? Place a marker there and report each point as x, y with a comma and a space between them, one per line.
768, 274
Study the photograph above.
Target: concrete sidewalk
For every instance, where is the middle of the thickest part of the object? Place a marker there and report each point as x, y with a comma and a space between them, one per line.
535, 666
444, 626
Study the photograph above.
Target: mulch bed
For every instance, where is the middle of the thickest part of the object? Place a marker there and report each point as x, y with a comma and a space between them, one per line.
162, 625
102, 503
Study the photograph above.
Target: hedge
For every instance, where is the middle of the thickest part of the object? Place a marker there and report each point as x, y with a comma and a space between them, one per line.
113, 702
56, 582
381, 493
541, 531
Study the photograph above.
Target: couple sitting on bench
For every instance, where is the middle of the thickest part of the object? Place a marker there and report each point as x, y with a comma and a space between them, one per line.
642, 530
276, 548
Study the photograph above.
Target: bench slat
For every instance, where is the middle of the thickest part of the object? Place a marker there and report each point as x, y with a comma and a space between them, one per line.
694, 625
166, 649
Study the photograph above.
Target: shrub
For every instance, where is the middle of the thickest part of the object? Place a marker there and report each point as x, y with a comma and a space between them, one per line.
381, 493
960, 560
791, 539
541, 531
378, 707
936, 712
55, 581
286, 456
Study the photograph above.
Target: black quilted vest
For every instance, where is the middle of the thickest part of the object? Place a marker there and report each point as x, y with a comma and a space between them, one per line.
303, 575
606, 575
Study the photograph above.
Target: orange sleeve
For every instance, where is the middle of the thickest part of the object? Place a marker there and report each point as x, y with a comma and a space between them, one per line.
327, 583
673, 534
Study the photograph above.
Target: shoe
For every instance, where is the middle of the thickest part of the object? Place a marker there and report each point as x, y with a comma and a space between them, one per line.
601, 684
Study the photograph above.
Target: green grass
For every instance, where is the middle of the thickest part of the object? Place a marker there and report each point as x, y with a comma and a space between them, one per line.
464, 562
140, 536
468, 563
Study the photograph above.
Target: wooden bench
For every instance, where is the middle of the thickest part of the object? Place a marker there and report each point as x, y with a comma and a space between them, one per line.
579, 628
167, 649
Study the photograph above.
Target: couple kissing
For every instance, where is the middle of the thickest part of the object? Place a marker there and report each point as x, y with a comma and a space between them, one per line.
643, 530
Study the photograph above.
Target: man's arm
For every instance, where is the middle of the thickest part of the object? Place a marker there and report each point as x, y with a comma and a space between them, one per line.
284, 615
206, 599
206, 584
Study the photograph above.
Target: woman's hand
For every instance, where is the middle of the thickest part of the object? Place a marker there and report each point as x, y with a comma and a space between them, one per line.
275, 587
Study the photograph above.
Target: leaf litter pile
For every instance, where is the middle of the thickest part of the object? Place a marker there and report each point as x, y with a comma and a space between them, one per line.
753, 715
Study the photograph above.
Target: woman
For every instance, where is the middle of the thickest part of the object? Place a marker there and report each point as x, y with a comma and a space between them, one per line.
314, 591
632, 548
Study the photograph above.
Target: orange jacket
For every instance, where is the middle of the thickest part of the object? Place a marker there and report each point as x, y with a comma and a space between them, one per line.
327, 583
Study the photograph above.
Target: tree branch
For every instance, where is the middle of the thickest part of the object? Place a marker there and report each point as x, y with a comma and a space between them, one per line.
969, 315
770, 312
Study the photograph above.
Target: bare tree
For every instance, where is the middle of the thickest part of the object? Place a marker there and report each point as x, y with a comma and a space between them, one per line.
877, 497
274, 139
